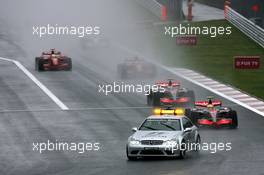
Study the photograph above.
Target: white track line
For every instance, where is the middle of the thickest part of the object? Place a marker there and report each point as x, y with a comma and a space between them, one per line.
38, 83
76, 109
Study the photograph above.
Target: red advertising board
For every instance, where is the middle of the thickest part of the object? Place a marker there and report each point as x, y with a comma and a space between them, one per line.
255, 8
247, 62
186, 40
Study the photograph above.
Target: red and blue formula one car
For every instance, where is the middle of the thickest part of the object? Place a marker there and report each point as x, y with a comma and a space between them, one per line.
53, 60
212, 113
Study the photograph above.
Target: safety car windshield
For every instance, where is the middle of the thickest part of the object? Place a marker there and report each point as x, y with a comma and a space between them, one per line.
161, 125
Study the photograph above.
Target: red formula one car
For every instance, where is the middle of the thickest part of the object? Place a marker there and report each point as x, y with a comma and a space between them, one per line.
211, 113
171, 93
53, 60
136, 68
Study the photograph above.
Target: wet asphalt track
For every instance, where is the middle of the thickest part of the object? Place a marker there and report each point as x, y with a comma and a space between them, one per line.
33, 117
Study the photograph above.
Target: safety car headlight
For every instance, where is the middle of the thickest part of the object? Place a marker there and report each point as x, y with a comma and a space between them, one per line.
134, 142
170, 143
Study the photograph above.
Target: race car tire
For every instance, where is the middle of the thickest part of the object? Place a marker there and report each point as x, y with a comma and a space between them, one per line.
188, 113
131, 158
69, 62
156, 99
233, 116
190, 94
183, 150
36, 63
192, 115
149, 100
121, 71
39, 64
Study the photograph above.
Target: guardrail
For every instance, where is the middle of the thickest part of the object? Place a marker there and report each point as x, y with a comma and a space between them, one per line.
155, 7
252, 30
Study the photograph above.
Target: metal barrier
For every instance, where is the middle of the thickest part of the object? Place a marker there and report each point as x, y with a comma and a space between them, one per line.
155, 7
245, 25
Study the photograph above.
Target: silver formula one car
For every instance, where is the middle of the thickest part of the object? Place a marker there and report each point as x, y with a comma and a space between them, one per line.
165, 136
170, 92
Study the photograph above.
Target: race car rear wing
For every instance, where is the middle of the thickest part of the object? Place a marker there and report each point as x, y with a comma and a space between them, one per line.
206, 103
178, 100
168, 83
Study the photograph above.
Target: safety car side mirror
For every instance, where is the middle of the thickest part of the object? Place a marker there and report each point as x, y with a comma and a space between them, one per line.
134, 129
188, 130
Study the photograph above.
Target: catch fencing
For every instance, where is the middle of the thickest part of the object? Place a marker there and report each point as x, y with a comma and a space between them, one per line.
252, 30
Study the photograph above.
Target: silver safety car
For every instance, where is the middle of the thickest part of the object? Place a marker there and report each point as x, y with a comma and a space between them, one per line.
163, 135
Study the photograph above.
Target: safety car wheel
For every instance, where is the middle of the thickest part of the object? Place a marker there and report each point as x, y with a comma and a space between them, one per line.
183, 151
198, 142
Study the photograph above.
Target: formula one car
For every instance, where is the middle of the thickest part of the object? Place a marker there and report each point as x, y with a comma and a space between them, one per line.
211, 113
170, 93
53, 60
136, 68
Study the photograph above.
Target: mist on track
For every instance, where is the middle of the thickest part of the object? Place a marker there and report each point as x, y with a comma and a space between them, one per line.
121, 22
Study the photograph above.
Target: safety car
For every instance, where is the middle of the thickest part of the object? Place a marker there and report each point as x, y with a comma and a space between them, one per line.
167, 133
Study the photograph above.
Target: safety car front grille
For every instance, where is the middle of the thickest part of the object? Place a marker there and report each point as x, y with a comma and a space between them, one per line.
151, 142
